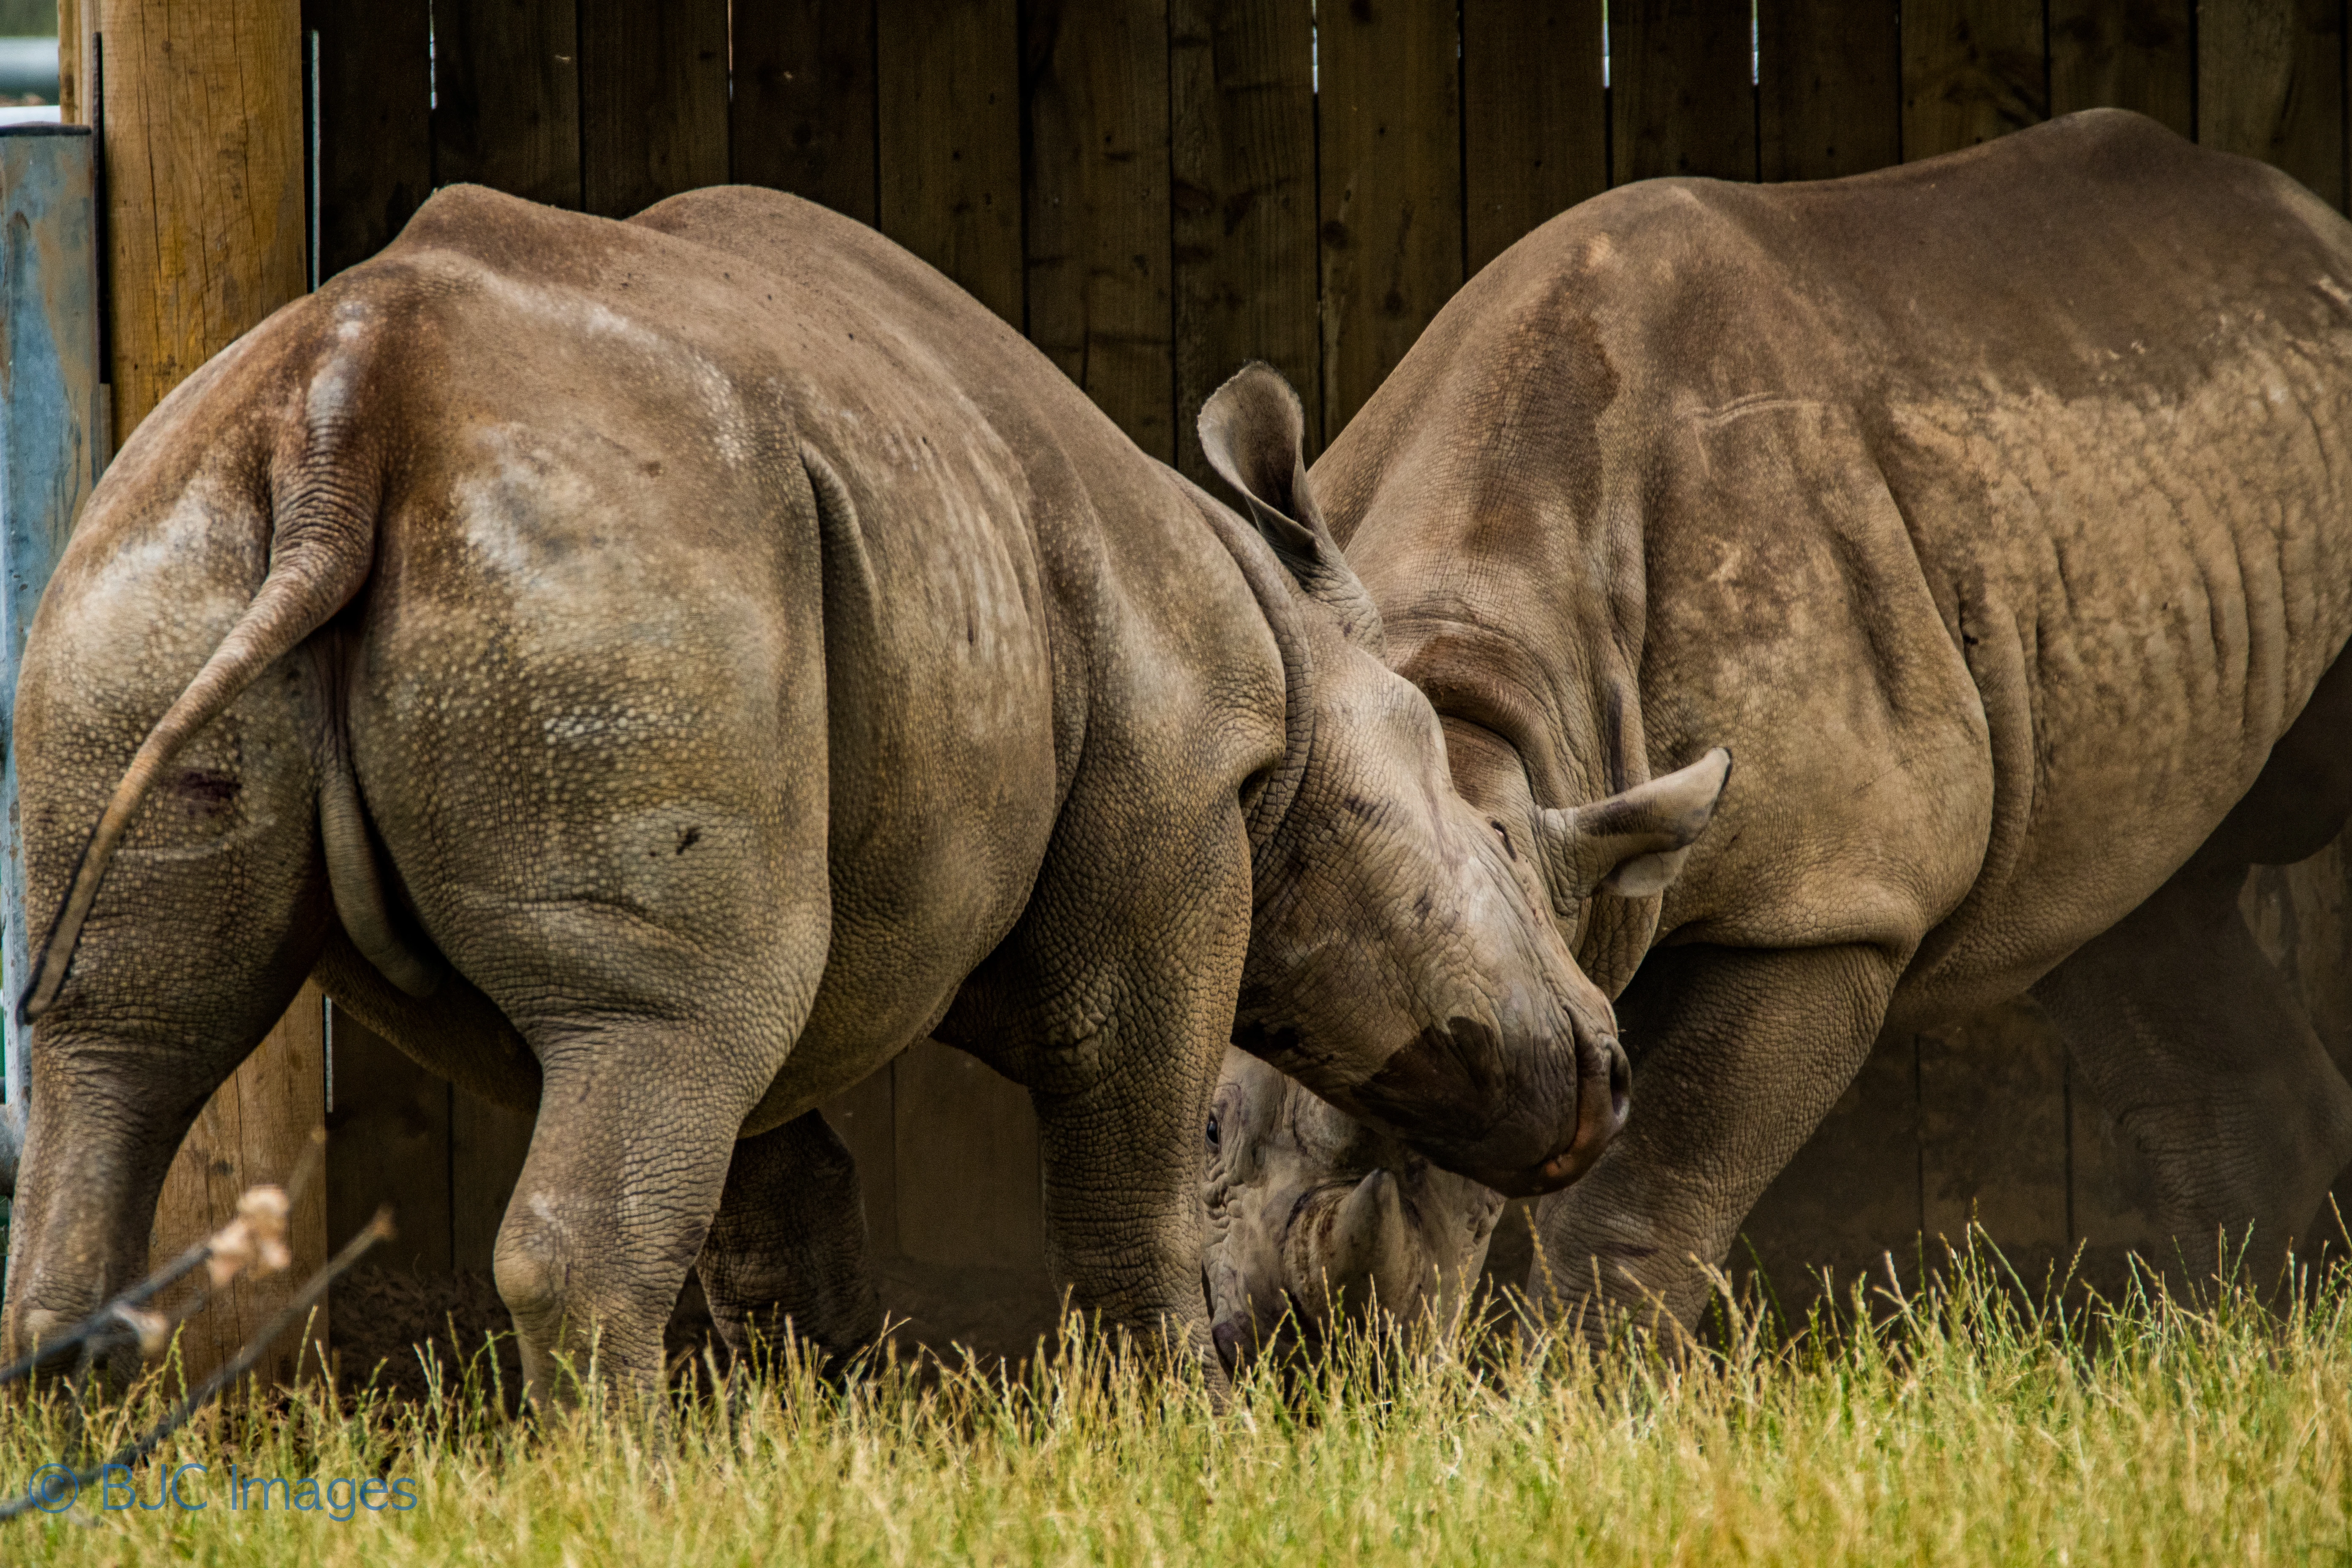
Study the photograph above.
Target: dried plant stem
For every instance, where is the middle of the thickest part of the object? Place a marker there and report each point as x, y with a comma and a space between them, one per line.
305, 1299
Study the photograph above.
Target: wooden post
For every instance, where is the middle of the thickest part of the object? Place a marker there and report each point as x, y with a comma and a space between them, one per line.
51, 448
1388, 144
75, 18
201, 106
1241, 133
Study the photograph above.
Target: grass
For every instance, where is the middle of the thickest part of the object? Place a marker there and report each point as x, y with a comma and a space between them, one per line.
1961, 1423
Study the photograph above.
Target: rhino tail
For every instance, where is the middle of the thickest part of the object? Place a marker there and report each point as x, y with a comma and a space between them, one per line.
322, 547
352, 878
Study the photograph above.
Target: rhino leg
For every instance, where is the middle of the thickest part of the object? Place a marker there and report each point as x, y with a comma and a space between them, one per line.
1120, 1060
650, 1060
636, 1128
789, 1244
1747, 1051
206, 925
1123, 1171
2193, 1042
110, 1109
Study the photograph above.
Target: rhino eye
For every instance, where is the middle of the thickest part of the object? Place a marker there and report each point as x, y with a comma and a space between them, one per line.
1506, 832
1215, 1134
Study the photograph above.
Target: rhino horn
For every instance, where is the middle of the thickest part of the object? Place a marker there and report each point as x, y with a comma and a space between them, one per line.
1371, 1250
1633, 842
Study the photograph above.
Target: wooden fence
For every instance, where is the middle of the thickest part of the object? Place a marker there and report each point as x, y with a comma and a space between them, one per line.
1156, 190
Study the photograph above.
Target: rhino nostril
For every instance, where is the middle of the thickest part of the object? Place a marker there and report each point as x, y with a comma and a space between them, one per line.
1621, 1082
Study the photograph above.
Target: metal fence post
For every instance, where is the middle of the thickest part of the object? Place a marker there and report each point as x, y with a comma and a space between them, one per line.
52, 447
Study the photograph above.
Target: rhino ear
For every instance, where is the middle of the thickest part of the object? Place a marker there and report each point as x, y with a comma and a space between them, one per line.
1633, 844
1254, 434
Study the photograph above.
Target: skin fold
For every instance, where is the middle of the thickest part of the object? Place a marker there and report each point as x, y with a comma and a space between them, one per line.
1993, 511
654, 672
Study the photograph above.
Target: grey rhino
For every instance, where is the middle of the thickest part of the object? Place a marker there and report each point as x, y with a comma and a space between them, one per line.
1313, 1218
653, 672
1995, 512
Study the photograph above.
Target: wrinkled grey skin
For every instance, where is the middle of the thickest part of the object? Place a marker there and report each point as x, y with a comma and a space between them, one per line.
1995, 510
654, 672
1313, 1216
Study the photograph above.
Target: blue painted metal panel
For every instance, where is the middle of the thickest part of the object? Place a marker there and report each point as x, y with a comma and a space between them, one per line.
52, 446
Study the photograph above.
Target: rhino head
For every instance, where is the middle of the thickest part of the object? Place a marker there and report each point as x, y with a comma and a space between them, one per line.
1314, 1218
1404, 964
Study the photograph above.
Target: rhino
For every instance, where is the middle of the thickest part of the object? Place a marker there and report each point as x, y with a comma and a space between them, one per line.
1315, 1220
1994, 512
653, 672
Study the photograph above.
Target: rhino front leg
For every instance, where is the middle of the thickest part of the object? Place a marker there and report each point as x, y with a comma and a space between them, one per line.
2194, 1044
1740, 1054
789, 1244
1122, 1170
1121, 1107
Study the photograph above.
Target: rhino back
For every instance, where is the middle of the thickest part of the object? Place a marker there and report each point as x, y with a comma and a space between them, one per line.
1050, 593
1990, 509
649, 575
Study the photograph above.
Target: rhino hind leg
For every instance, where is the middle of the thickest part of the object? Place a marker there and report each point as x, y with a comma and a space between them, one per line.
608, 1215
101, 1141
2194, 1043
788, 1246
649, 1062
212, 916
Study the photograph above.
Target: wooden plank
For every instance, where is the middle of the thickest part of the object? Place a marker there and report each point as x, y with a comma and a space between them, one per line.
1242, 132
1535, 122
947, 83
1993, 1117
51, 453
1972, 70
387, 1142
653, 102
77, 23
803, 116
2125, 54
866, 1120
205, 187
255, 1129
1098, 235
487, 1145
1390, 190
1851, 1198
204, 236
375, 126
1681, 76
969, 1194
506, 114
1828, 89
2270, 85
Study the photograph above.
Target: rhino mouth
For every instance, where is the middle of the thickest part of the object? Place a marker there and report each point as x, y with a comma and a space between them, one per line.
1448, 1095
1603, 1100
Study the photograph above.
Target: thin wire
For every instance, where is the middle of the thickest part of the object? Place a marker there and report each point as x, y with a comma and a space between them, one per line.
305, 1299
